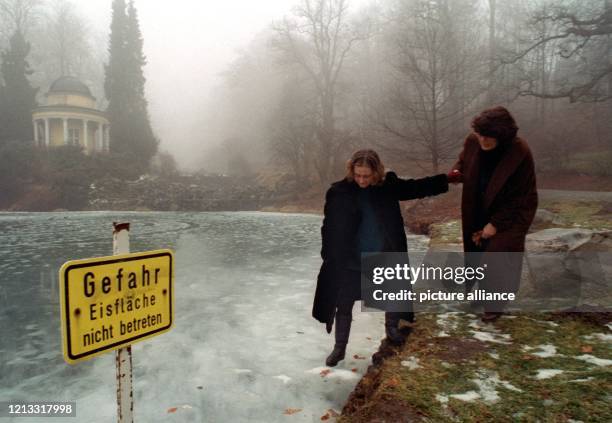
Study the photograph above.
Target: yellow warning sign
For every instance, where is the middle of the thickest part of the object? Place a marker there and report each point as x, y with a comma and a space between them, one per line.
111, 302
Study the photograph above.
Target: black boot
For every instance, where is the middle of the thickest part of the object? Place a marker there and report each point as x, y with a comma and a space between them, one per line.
336, 355
343, 329
394, 334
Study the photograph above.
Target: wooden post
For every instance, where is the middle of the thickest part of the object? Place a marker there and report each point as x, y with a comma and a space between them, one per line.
123, 356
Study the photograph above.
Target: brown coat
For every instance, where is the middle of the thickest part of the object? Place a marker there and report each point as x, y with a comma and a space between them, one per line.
510, 200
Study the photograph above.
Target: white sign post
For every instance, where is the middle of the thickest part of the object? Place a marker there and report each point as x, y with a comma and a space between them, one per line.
123, 356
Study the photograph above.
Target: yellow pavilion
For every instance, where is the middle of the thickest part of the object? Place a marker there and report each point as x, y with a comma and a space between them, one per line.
70, 117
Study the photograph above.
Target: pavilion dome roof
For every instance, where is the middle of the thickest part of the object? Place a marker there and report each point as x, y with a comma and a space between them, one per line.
69, 84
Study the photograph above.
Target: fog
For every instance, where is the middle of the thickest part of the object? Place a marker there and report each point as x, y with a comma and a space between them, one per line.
188, 45
292, 87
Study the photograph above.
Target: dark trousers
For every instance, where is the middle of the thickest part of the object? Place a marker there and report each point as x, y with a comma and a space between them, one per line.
344, 317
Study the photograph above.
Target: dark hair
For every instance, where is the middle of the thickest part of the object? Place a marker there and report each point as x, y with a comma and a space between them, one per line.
367, 158
497, 123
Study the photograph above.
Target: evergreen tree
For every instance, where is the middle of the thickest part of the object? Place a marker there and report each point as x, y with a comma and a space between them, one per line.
17, 97
143, 136
131, 132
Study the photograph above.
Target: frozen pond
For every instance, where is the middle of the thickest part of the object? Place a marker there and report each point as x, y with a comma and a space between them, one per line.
244, 346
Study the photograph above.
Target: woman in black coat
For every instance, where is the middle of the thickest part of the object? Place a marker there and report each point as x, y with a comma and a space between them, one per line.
362, 214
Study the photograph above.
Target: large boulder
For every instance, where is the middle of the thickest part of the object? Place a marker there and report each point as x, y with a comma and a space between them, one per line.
568, 268
545, 219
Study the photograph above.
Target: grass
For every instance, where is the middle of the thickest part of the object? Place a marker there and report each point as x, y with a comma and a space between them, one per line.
457, 364
593, 163
590, 215
446, 233
568, 214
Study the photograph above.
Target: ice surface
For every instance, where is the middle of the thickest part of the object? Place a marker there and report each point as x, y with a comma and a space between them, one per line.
244, 288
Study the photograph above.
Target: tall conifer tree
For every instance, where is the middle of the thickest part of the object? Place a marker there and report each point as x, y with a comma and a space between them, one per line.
131, 132
17, 97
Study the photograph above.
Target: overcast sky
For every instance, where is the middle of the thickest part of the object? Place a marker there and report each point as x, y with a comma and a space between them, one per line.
187, 44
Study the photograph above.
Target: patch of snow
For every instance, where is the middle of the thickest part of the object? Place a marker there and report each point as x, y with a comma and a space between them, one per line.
547, 373
546, 351
442, 334
487, 389
494, 355
242, 371
487, 383
477, 324
600, 336
467, 397
443, 399
447, 322
497, 338
594, 360
412, 363
588, 379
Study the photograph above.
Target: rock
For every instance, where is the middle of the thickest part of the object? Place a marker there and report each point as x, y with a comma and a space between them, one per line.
569, 239
545, 219
568, 268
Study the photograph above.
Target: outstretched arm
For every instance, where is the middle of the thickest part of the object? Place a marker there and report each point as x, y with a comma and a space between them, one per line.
409, 189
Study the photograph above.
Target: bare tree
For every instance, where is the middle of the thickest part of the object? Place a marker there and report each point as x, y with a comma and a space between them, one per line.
66, 39
17, 16
581, 35
292, 128
436, 79
318, 38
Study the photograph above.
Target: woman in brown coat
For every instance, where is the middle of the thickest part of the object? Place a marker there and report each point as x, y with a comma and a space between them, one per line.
499, 199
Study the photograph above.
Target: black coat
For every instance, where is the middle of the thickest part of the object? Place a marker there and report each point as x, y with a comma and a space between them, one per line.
341, 223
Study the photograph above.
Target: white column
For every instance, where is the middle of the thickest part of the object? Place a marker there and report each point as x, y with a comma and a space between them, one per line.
36, 141
99, 137
65, 131
107, 137
85, 135
47, 138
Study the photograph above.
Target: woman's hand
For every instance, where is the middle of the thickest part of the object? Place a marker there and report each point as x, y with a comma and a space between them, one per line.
476, 238
454, 177
488, 231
